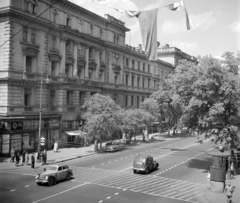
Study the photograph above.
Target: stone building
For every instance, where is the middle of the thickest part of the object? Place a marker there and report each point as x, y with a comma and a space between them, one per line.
53, 55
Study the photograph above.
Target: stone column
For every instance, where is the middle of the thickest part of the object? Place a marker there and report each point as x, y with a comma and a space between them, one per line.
63, 60
75, 55
86, 74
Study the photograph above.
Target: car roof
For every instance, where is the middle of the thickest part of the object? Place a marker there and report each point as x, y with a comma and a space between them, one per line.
143, 156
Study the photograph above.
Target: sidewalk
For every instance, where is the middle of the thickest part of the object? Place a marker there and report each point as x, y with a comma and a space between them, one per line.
66, 154
221, 198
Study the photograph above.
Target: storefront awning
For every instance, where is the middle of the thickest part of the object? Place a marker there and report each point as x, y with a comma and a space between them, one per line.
76, 133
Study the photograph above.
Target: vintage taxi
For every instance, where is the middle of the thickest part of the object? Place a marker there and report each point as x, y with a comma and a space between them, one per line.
54, 173
144, 163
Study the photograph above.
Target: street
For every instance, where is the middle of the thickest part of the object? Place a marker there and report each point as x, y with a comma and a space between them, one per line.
108, 177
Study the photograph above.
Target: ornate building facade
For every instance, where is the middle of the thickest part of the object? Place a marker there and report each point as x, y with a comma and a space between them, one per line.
54, 55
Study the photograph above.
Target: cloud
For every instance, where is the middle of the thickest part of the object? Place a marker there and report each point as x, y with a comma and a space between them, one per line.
199, 21
235, 27
102, 7
184, 46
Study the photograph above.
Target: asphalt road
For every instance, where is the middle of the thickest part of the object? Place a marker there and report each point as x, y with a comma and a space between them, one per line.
108, 177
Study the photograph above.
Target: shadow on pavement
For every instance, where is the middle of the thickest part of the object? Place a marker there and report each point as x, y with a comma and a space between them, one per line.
200, 164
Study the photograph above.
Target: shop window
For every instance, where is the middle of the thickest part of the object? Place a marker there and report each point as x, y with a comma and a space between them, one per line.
27, 96
29, 64
52, 97
33, 36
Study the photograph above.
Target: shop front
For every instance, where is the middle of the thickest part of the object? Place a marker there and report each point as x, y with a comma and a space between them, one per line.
22, 133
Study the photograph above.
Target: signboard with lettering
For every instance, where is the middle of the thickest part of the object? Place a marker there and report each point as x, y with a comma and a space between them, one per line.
16, 125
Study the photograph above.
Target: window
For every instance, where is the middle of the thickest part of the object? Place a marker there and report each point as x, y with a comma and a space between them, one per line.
91, 29
52, 97
133, 64
132, 100
90, 74
68, 70
27, 96
144, 67
133, 80
33, 36
90, 53
116, 78
69, 98
54, 40
149, 83
138, 81
143, 82
126, 61
68, 44
100, 56
30, 6
138, 65
149, 68
68, 21
53, 69
101, 76
55, 13
126, 80
154, 84
81, 98
101, 33
26, 5
137, 100
25, 34
126, 100
29, 61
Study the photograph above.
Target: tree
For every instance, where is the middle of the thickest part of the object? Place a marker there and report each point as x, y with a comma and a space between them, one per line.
102, 117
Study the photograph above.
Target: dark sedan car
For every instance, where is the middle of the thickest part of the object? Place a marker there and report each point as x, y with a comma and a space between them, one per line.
144, 163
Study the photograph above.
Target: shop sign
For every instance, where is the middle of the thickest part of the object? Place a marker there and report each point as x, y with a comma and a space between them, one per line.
54, 123
33, 124
4, 125
17, 126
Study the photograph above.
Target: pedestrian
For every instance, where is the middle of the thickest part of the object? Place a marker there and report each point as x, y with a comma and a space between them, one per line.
44, 156
12, 155
23, 156
17, 158
55, 146
209, 180
232, 170
32, 160
27, 158
229, 189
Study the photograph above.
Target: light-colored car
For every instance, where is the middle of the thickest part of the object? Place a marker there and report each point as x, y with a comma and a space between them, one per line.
113, 146
53, 174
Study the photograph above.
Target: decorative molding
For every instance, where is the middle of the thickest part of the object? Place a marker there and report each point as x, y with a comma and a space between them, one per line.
29, 49
54, 55
69, 58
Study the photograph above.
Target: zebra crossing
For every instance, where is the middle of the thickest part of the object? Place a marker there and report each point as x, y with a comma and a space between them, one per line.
147, 184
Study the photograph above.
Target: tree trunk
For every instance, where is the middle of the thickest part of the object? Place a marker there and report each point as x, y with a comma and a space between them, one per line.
159, 128
95, 145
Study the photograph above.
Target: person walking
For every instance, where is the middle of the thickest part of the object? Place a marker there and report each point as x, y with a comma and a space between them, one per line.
229, 189
209, 180
232, 170
17, 159
32, 160
12, 155
23, 157
44, 156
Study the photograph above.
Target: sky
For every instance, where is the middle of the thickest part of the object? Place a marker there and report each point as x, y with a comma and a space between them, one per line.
216, 23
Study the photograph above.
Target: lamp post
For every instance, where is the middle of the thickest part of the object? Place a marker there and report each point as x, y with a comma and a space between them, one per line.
40, 110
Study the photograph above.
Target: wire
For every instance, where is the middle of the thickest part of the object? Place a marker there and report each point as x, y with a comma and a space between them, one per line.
31, 22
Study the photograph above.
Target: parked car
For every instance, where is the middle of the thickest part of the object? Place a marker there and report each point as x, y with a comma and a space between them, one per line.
54, 173
113, 146
144, 163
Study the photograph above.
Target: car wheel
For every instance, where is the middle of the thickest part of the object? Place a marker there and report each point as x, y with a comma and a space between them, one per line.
134, 171
50, 182
38, 183
146, 171
68, 176
157, 165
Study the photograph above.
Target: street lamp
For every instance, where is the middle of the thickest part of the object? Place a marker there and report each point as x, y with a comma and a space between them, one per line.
40, 110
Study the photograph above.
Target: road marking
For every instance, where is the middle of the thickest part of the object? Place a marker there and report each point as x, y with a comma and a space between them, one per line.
124, 189
100, 201
60, 193
27, 186
108, 197
12, 190
102, 164
116, 193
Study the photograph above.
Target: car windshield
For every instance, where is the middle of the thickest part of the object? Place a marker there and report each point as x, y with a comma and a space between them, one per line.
140, 159
109, 143
52, 168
